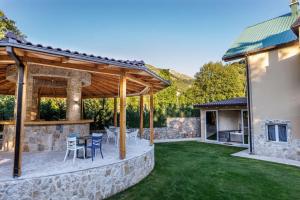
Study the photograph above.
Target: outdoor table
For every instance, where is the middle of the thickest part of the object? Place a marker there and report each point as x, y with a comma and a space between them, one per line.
85, 138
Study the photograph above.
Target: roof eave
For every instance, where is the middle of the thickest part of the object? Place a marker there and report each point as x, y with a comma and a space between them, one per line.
84, 58
245, 54
217, 106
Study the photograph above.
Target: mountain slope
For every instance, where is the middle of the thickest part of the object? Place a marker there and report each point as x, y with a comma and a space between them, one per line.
182, 81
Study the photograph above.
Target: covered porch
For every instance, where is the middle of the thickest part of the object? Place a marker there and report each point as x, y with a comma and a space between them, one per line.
225, 121
31, 72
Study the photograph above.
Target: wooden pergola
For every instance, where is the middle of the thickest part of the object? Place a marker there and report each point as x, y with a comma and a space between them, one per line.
110, 78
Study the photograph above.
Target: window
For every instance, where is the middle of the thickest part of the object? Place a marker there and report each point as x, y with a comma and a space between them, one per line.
277, 132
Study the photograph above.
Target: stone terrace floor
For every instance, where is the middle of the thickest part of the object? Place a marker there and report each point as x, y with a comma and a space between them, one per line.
51, 163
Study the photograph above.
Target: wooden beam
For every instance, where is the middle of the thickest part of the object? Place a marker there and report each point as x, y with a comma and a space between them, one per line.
65, 59
77, 67
4, 59
62, 59
137, 80
122, 136
141, 116
105, 87
151, 117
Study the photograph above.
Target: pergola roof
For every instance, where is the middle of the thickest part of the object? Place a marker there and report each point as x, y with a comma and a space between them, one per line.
105, 71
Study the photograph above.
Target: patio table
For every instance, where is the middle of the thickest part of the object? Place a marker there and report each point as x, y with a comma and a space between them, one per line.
85, 138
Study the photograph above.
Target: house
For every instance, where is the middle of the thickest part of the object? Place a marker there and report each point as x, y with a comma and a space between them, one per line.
272, 53
224, 121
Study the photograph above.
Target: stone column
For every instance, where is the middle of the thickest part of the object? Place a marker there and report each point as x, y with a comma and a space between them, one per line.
33, 108
74, 97
76, 80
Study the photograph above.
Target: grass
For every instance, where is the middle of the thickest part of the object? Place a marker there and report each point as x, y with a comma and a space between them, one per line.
192, 170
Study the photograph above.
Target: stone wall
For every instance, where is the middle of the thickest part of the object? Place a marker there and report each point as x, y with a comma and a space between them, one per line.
43, 138
94, 183
287, 150
177, 128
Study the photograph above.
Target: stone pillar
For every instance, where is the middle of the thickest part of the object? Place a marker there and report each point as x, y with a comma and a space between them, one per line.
29, 99
75, 81
74, 97
33, 108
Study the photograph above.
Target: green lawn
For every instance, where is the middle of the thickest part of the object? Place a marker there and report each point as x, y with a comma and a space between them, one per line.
192, 170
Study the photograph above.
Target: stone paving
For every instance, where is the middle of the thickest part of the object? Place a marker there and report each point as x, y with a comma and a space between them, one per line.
245, 154
46, 176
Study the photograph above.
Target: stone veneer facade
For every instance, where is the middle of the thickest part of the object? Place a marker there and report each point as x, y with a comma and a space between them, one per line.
71, 80
43, 138
93, 184
287, 150
177, 128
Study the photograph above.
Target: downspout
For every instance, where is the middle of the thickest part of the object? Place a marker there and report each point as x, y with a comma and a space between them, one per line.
249, 105
18, 150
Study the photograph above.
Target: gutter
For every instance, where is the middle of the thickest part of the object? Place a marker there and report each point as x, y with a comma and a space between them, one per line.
249, 103
18, 137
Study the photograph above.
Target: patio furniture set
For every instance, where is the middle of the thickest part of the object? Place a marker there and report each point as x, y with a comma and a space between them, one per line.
94, 142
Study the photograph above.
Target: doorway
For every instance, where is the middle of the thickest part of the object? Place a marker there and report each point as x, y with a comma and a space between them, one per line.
211, 125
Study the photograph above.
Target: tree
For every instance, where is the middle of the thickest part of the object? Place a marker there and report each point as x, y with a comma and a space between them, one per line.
216, 82
8, 25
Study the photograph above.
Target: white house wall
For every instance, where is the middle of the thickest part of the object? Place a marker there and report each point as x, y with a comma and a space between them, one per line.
275, 83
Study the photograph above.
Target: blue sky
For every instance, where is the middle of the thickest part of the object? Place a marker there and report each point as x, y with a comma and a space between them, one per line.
176, 34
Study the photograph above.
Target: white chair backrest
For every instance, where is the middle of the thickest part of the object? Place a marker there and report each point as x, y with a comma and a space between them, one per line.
134, 133
71, 143
109, 133
97, 134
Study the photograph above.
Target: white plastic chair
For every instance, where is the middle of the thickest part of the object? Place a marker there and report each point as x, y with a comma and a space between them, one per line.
110, 135
72, 146
133, 135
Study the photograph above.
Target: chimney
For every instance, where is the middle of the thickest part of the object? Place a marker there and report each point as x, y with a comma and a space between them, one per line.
294, 7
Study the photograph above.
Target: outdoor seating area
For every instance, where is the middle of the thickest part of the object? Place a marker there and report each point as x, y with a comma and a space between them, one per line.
39, 164
91, 144
31, 72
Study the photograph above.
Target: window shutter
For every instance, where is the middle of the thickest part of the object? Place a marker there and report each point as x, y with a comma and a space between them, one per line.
282, 133
271, 133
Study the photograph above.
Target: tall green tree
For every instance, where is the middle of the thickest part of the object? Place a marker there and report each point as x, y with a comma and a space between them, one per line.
216, 81
8, 25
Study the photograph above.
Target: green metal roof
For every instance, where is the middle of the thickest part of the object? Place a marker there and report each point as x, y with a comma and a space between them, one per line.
270, 33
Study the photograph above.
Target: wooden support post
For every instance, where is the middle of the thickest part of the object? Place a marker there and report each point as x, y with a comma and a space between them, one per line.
20, 119
122, 138
151, 117
141, 116
115, 112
